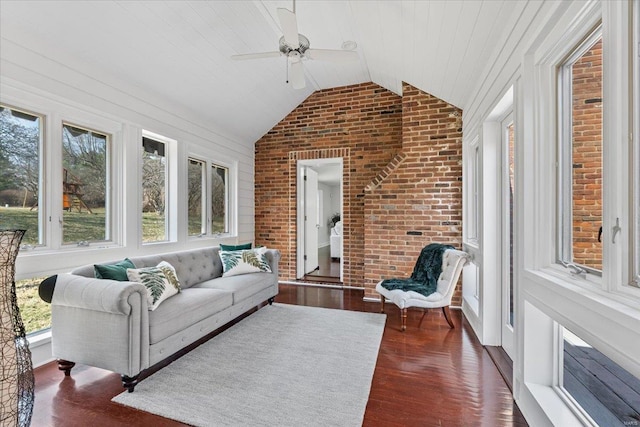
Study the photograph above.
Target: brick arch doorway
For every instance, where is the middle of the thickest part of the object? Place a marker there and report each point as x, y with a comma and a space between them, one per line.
317, 160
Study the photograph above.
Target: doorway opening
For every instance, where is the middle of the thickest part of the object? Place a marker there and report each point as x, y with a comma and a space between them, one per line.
319, 220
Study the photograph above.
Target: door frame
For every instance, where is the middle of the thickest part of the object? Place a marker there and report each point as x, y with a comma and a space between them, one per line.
300, 238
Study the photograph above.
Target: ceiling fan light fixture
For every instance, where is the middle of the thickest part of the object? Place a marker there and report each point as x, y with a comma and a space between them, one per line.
285, 48
349, 45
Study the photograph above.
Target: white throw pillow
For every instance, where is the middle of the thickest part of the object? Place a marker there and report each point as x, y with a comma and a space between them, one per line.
170, 272
159, 288
244, 262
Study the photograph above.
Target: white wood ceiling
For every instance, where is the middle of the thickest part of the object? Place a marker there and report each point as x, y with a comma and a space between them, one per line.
180, 51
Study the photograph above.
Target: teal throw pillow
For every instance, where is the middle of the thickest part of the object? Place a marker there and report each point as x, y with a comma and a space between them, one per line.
116, 271
235, 247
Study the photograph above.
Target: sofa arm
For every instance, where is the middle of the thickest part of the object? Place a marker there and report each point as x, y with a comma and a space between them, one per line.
101, 323
273, 257
110, 296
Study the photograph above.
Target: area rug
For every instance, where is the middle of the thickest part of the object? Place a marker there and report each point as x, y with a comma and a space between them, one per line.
284, 365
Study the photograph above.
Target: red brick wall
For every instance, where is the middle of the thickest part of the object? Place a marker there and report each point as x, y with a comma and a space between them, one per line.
587, 157
421, 200
361, 123
405, 152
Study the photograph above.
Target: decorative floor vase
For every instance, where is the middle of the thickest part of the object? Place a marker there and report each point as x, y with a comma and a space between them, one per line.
17, 385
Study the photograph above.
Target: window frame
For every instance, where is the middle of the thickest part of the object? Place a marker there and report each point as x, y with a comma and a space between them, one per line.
211, 159
564, 253
43, 207
108, 187
170, 187
203, 198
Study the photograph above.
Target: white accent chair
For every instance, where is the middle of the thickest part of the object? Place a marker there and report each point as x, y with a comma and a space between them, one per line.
452, 262
335, 240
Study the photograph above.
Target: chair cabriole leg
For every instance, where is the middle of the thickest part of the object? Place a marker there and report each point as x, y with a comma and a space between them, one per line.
447, 315
424, 312
403, 316
381, 303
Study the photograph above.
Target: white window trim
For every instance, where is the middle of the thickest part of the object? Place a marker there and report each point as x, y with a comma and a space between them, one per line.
53, 115
212, 158
171, 188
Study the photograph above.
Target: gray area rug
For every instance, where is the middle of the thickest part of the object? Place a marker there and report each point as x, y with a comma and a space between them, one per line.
284, 365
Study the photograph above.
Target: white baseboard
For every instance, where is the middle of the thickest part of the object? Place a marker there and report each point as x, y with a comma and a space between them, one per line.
316, 285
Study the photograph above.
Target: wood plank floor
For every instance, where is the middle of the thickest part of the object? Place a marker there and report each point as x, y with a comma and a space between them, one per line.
328, 269
433, 376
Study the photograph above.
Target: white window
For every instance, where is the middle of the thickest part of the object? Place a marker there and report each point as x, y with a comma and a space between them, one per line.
196, 197
154, 191
219, 199
85, 185
21, 178
580, 150
209, 198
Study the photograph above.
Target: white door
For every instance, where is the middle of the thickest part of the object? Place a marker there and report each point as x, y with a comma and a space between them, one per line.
311, 224
508, 188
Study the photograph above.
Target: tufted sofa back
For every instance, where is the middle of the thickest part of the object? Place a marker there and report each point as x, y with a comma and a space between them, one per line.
192, 266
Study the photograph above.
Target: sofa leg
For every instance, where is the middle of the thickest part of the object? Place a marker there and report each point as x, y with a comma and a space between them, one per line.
65, 365
130, 382
403, 315
271, 300
447, 315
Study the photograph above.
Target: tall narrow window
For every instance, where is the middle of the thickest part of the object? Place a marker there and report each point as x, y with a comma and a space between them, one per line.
84, 185
21, 186
154, 191
196, 198
219, 199
580, 84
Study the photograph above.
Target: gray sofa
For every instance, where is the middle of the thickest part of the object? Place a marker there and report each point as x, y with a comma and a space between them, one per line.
106, 323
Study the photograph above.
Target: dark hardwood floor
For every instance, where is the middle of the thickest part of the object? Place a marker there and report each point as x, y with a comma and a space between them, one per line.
433, 376
328, 268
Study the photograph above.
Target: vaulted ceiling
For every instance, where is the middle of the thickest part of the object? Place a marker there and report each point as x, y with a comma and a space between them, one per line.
180, 51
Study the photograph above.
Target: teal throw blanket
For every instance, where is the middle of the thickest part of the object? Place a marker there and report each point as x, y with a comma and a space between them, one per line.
424, 278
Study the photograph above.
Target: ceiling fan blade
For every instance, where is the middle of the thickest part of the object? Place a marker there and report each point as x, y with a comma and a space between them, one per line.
296, 75
255, 55
289, 25
332, 55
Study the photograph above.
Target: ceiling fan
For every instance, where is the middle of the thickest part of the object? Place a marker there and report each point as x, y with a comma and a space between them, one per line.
296, 47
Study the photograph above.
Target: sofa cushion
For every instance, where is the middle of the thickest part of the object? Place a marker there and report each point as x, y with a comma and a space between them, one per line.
117, 271
185, 309
235, 247
192, 266
241, 287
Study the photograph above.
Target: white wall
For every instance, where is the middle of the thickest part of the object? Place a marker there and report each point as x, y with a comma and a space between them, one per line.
46, 86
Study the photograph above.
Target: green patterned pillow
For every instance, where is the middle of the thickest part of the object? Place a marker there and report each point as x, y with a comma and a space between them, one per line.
244, 262
170, 273
159, 288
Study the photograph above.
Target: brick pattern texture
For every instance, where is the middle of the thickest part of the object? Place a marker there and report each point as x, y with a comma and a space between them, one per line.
404, 152
587, 157
421, 201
